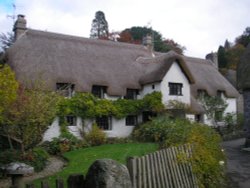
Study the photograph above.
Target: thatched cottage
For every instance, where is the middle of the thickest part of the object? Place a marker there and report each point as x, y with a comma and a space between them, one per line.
113, 70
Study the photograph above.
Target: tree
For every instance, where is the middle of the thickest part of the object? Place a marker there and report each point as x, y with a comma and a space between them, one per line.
244, 39
222, 60
99, 28
214, 107
8, 89
6, 40
136, 34
28, 117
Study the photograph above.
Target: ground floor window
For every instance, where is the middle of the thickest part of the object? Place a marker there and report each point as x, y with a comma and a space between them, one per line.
104, 122
71, 120
148, 115
199, 118
131, 120
218, 116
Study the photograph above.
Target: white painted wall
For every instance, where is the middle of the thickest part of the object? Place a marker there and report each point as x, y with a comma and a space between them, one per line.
76, 130
119, 128
149, 89
53, 131
175, 75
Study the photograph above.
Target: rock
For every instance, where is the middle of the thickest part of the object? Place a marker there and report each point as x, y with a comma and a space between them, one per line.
106, 173
18, 168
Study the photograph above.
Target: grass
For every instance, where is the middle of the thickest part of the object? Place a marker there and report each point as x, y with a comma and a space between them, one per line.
80, 160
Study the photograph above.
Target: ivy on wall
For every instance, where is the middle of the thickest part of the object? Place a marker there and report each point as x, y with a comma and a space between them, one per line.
87, 106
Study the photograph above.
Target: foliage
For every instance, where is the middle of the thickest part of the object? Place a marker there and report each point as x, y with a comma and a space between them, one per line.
233, 56
9, 156
6, 40
29, 116
212, 106
37, 157
86, 105
95, 136
175, 104
222, 60
99, 28
8, 89
244, 39
80, 160
205, 141
136, 34
64, 143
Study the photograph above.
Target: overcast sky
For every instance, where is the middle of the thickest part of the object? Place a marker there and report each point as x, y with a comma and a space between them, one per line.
199, 25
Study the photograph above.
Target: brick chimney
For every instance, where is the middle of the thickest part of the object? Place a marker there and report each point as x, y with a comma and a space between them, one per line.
214, 58
19, 26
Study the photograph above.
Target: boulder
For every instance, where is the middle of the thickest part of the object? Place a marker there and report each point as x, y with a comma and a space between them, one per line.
106, 173
18, 168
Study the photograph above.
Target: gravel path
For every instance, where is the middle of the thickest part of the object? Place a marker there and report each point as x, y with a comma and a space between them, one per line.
55, 164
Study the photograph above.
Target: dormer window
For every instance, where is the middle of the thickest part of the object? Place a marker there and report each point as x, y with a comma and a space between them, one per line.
175, 88
99, 91
220, 94
71, 120
131, 94
65, 89
201, 93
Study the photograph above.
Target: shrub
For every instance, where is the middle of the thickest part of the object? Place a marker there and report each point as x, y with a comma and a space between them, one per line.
205, 141
37, 157
9, 156
96, 136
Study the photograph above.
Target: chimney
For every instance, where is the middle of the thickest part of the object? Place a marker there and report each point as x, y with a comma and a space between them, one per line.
19, 26
214, 58
148, 42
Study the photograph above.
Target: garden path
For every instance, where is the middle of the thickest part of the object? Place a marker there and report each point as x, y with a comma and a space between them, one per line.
55, 164
238, 163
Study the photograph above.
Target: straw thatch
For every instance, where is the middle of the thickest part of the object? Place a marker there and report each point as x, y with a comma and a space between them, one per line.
56, 58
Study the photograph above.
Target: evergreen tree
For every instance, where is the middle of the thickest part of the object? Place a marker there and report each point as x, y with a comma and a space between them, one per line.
6, 40
222, 60
99, 28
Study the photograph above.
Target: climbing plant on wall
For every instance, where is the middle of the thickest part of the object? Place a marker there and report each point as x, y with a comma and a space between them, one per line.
87, 106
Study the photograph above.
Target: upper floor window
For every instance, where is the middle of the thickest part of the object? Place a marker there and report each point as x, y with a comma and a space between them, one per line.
220, 94
99, 91
201, 93
131, 94
104, 122
65, 89
131, 120
175, 88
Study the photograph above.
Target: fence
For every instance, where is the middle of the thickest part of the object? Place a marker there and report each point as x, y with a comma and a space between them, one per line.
162, 169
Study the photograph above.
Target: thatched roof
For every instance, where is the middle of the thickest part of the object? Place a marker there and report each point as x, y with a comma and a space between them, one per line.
243, 70
208, 78
54, 58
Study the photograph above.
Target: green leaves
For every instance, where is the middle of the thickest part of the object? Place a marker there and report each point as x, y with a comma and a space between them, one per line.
86, 105
8, 89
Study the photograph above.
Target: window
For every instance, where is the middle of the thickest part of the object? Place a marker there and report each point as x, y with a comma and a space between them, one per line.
71, 120
175, 89
218, 115
131, 120
147, 116
65, 89
104, 122
153, 86
99, 91
220, 94
131, 94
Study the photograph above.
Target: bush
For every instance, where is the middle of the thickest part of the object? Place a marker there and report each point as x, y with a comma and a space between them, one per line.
9, 156
96, 136
37, 157
205, 141
64, 143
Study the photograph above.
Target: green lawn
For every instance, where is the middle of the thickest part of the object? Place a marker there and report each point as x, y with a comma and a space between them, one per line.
80, 160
